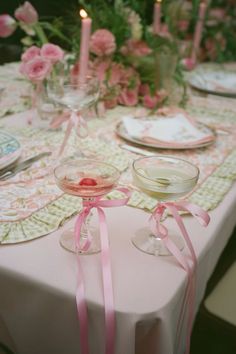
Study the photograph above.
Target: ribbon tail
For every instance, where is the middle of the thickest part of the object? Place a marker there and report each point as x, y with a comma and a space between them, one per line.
82, 310
174, 250
66, 137
57, 122
107, 284
82, 127
80, 292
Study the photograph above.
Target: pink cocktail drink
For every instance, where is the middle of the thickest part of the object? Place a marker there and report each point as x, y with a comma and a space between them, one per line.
87, 179
87, 187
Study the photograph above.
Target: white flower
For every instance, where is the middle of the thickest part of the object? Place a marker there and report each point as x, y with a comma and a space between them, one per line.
135, 23
136, 31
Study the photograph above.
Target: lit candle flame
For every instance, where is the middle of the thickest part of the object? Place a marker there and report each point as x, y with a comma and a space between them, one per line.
83, 13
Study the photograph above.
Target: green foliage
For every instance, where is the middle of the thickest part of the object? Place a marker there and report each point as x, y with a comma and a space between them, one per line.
159, 43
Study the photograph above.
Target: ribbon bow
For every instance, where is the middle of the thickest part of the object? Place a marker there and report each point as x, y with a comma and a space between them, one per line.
161, 231
74, 120
88, 205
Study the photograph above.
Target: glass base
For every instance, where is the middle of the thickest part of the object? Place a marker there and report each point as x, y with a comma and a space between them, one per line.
67, 241
149, 244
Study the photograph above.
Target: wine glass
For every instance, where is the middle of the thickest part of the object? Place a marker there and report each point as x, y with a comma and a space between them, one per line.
76, 97
87, 179
164, 178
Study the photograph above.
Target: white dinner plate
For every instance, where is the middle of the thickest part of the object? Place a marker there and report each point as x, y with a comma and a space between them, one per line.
215, 79
10, 149
122, 132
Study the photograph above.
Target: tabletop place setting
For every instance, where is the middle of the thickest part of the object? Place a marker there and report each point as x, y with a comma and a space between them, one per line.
117, 172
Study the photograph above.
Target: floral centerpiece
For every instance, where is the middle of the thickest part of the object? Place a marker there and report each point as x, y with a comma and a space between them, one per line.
125, 54
122, 56
130, 59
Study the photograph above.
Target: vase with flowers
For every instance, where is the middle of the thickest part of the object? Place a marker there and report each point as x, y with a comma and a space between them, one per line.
38, 65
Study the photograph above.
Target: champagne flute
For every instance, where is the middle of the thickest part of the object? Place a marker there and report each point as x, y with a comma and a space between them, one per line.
164, 178
87, 179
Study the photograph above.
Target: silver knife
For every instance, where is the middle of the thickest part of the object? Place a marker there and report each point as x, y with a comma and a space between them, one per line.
21, 166
136, 150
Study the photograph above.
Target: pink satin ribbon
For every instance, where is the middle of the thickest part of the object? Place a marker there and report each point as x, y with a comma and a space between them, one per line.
98, 204
161, 231
74, 121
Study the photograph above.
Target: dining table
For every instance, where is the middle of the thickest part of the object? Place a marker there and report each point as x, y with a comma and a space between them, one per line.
39, 278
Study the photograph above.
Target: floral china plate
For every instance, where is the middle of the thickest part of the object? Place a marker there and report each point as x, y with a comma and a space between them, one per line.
10, 149
177, 132
215, 79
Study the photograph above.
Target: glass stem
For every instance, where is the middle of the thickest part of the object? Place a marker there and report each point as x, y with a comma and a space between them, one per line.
85, 225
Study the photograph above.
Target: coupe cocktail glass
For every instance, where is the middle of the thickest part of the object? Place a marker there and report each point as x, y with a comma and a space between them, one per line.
77, 98
87, 179
165, 178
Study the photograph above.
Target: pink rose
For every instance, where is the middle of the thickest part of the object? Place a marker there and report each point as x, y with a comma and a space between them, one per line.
52, 52
26, 13
150, 101
144, 89
37, 69
115, 74
100, 67
22, 68
136, 47
129, 75
188, 63
164, 32
128, 97
30, 53
102, 43
111, 103
7, 25
183, 25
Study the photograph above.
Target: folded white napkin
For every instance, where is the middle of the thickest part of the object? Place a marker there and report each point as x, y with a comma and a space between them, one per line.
166, 130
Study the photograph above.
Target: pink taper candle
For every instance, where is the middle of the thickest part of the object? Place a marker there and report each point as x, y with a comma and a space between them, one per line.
84, 45
198, 30
157, 17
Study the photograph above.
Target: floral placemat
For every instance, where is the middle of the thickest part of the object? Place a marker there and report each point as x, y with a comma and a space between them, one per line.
32, 205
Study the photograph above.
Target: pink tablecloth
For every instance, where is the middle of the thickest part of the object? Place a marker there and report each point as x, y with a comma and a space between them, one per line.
38, 282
